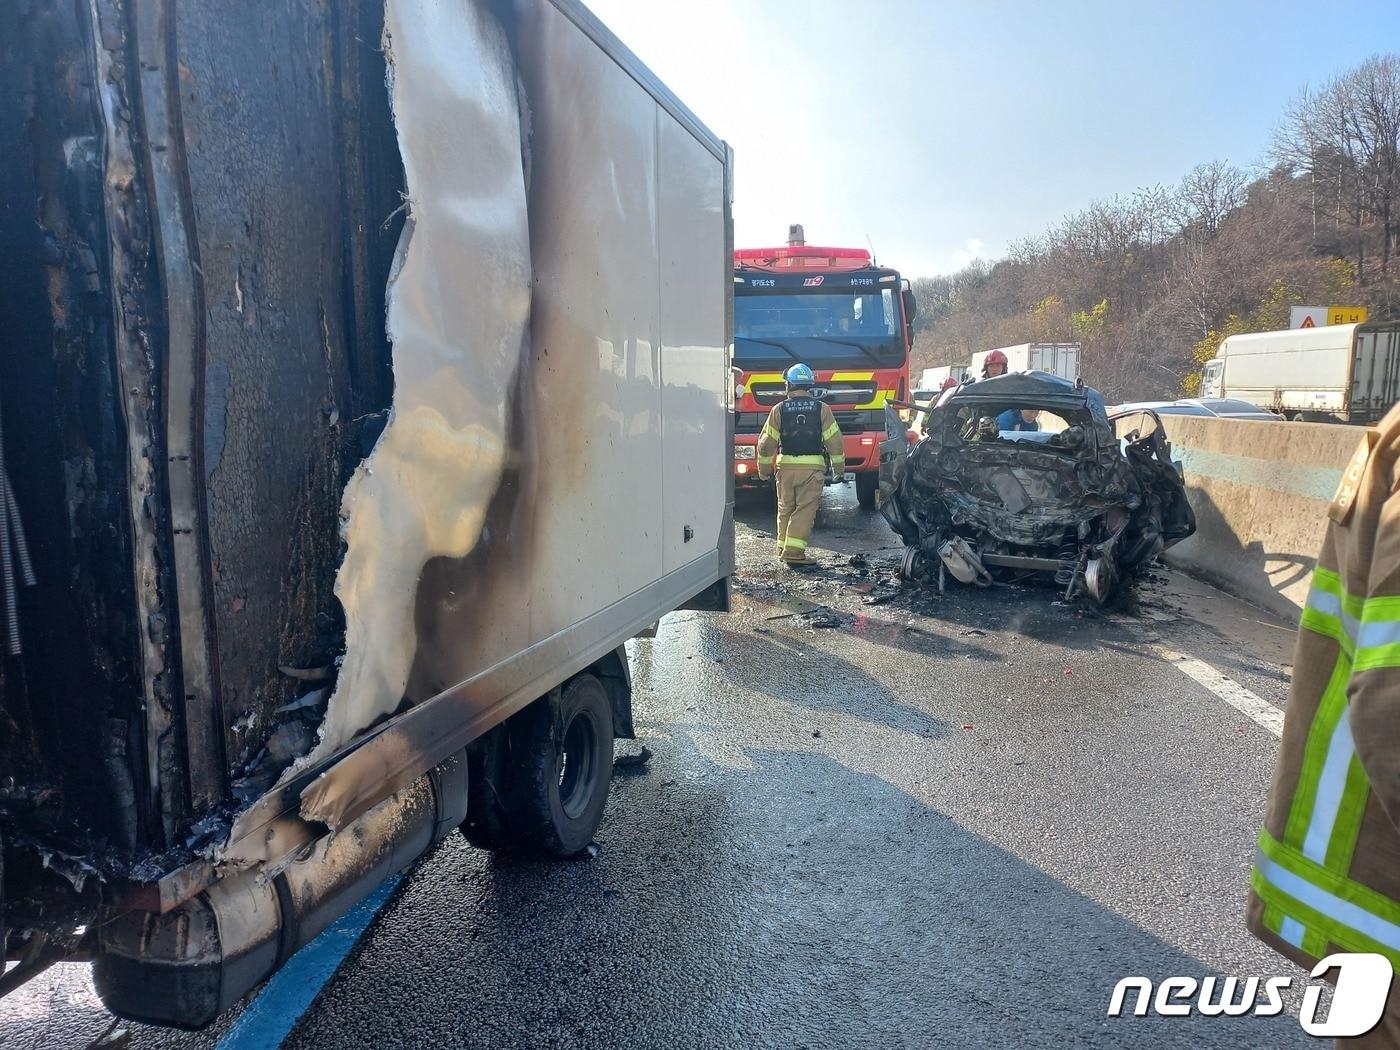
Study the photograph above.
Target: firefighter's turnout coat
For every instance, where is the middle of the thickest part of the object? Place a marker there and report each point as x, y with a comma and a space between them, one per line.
1327, 872
803, 435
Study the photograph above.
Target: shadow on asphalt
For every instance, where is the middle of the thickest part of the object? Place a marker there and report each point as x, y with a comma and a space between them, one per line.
794, 671
1024, 610
759, 886
793, 902
1243, 665
1028, 611
756, 507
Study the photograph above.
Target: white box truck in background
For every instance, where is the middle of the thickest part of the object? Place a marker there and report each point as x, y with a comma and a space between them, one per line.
933, 378
1059, 359
326, 421
1347, 373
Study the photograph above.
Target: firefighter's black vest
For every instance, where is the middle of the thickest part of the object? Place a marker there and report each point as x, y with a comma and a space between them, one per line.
801, 426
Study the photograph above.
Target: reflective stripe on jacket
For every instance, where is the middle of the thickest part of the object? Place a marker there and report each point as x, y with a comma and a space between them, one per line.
1327, 872
770, 442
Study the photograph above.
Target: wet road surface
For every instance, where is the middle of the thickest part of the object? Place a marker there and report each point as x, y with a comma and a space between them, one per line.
872, 817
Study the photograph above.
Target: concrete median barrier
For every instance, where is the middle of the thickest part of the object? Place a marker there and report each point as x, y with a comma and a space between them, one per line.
1260, 491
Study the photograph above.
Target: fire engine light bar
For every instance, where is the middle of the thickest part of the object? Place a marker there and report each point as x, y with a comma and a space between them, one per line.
887, 279
807, 251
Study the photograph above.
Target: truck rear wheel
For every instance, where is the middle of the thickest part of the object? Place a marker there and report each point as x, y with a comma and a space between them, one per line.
560, 768
867, 485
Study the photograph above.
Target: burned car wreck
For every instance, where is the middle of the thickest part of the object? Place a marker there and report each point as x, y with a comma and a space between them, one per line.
1023, 475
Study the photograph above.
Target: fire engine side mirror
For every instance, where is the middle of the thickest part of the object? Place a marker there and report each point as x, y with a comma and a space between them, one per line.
911, 305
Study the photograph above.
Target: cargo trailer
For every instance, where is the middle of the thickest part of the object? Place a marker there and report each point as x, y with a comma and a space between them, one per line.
934, 378
339, 335
1057, 359
1347, 373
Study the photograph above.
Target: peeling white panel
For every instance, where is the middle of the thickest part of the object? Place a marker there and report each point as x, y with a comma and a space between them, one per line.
525, 481
458, 306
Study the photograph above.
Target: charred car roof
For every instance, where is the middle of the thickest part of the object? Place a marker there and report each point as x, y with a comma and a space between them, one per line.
1040, 389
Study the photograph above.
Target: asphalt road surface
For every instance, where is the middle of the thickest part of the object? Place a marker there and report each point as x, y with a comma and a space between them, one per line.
874, 816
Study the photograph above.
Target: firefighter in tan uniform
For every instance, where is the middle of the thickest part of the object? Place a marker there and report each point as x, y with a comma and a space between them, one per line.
1327, 871
803, 434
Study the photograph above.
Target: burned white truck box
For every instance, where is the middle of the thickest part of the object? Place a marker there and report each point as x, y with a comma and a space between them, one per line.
342, 337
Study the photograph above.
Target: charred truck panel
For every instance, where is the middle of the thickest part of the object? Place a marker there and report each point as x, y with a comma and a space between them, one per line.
985, 492
287, 298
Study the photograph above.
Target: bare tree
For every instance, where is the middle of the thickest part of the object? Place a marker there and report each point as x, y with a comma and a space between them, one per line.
1296, 148
1346, 137
1208, 193
1374, 90
1149, 280
1194, 285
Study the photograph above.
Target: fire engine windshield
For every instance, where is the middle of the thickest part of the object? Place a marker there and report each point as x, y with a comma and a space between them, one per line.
823, 329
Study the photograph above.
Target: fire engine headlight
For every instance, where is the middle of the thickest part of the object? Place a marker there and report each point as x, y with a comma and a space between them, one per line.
745, 452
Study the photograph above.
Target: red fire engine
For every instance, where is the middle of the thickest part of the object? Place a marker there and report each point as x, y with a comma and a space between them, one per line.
836, 311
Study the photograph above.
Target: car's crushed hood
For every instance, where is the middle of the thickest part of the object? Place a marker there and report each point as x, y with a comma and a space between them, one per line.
1025, 493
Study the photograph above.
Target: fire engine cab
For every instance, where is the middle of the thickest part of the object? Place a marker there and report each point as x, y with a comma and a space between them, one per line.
836, 311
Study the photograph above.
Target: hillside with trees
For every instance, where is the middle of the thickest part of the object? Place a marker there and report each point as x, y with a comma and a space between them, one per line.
1152, 281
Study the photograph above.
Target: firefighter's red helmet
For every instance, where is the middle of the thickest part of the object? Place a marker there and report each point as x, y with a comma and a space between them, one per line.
996, 357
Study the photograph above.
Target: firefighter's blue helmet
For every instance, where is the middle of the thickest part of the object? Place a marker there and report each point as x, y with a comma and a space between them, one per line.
799, 375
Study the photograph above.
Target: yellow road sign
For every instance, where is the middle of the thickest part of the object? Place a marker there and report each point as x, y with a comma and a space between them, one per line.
1346, 314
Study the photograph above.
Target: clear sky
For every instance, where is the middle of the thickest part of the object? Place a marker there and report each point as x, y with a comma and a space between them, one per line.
944, 130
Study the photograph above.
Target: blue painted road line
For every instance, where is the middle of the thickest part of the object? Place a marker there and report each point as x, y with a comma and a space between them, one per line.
265, 1021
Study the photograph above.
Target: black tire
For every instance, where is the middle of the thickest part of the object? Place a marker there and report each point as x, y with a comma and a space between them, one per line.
867, 485
488, 824
561, 756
